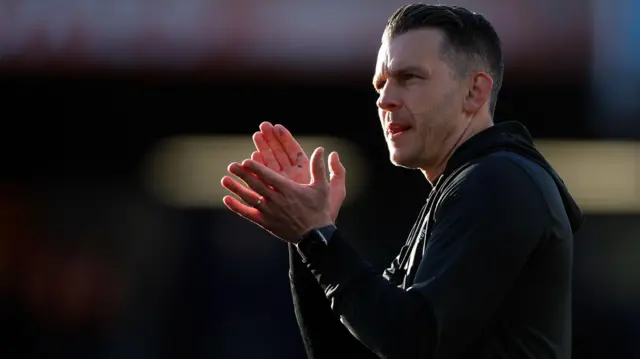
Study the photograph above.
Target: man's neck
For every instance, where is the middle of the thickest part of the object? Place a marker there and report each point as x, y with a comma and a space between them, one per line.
432, 173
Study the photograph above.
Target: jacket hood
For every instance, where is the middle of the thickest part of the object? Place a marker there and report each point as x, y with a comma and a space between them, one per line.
513, 136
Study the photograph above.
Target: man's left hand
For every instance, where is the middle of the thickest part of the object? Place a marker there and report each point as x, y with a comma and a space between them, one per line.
283, 207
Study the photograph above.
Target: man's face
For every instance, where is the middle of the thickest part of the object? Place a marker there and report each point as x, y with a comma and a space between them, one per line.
421, 98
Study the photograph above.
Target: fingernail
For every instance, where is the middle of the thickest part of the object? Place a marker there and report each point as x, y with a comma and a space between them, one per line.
279, 130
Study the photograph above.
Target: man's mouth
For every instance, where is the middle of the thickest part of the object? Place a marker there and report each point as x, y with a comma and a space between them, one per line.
397, 128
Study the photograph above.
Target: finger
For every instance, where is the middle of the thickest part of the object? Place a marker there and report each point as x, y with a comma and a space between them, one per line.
318, 169
267, 175
278, 151
266, 152
256, 156
337, 180
255, 183
291, 147
246, 195
336, 169
250, 213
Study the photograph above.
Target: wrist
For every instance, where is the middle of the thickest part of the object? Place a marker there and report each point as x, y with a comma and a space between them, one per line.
315, 240
324, 225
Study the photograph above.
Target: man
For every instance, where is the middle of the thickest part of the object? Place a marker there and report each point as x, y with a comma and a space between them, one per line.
486, 271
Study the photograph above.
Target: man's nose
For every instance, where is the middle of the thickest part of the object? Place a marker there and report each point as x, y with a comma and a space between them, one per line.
388, 100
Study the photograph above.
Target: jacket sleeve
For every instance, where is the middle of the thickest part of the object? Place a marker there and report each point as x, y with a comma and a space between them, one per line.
322, 333
491, 218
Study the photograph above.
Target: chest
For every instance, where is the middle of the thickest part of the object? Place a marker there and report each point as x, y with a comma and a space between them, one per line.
416, 249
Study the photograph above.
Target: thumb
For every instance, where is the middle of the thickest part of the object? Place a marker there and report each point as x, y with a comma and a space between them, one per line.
318, 169
337, 170
337, 186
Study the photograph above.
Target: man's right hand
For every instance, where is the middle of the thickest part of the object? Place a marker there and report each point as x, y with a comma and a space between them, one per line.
278, 150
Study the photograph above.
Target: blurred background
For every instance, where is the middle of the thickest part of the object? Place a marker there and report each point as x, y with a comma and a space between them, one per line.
120, 117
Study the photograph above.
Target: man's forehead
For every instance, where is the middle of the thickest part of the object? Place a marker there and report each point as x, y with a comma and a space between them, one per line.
413, 48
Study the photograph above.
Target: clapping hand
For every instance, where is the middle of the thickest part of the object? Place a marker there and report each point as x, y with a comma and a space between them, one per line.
287, 194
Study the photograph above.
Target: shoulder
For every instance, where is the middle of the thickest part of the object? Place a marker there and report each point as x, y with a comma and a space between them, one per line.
498, 183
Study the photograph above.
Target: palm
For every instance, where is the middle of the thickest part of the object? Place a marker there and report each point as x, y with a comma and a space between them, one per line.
278, 150
297, 174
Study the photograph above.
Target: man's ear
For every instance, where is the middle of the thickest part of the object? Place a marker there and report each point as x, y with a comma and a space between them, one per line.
479, 94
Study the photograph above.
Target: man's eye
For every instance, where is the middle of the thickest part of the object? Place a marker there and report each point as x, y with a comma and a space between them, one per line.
410, 76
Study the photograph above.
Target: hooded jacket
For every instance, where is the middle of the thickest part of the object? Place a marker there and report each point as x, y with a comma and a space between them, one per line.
485, 272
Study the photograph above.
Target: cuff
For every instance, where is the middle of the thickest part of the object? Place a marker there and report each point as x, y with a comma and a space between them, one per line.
335, 264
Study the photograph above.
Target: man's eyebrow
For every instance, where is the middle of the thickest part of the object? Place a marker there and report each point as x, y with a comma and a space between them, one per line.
399, 71
406, 69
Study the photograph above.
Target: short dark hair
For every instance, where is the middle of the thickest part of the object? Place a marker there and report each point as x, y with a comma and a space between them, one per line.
470, 39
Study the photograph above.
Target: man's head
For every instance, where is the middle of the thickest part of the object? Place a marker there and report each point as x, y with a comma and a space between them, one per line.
439, 70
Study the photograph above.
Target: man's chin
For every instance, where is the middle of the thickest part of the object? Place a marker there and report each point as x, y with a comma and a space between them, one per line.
398, 160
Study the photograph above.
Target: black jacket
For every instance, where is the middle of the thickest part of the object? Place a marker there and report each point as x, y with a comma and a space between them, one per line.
485, 273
